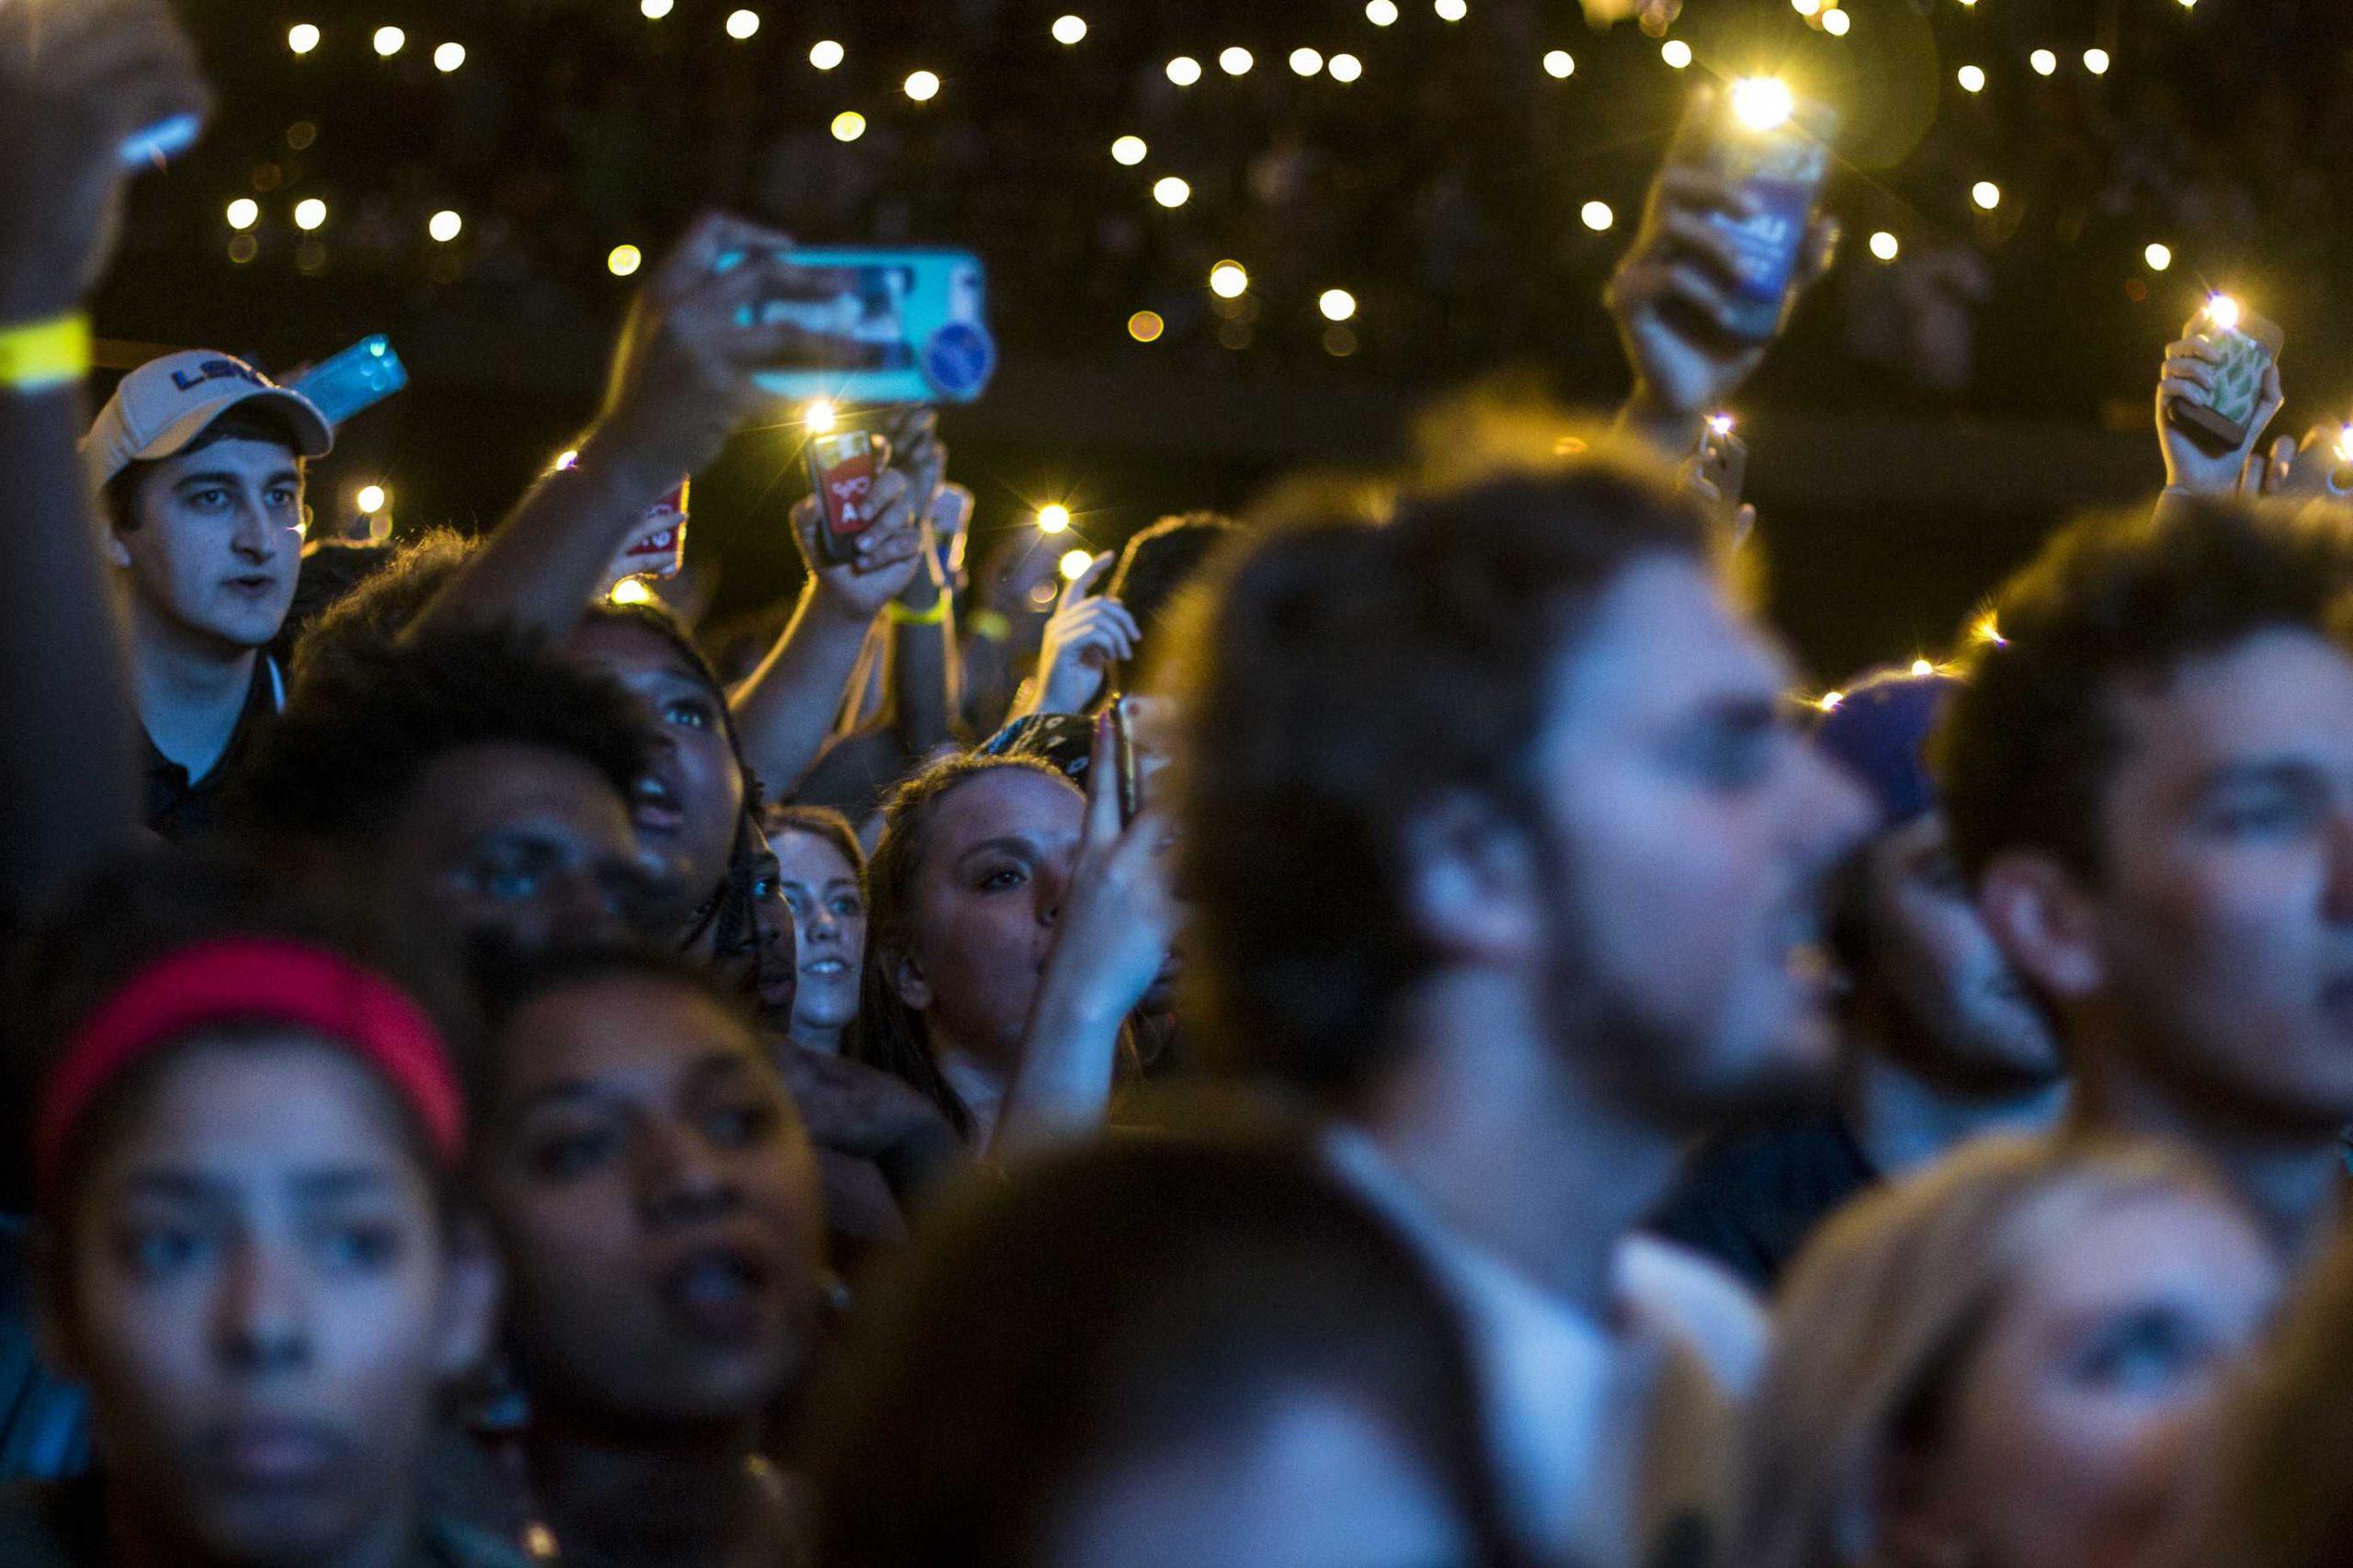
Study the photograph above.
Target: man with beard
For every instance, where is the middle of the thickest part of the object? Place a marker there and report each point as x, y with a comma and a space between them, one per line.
1502, 846
2150, 784
1941, 1042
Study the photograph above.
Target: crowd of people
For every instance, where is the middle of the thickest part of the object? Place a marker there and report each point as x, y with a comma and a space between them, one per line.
1378, 1034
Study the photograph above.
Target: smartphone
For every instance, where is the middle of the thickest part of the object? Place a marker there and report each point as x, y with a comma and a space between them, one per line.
2218, 421
1123, 752
1776, 147
951, 519
161, 142
657, 547
919, 319
1724, 461
359, 377
843, 467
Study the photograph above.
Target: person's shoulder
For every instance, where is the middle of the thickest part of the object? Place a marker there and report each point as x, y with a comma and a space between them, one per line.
1668, 1289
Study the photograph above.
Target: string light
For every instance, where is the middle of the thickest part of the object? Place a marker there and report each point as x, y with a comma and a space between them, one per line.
243, 212
2045, 64
1380, 13
1337, 304
1170, 191
448, 57
1345, 67
1145, 326
849, 125
743, 24
623, 260
372, 499
1596, 216
824, 54
922, 85
1559, 64
1971, 78
445, 225
1306, 63
1806, 7
631, 591
1228, 280
1235, 62
1986, 194
1837, 23
2158, 256
310, 214
1053, 518
1129, 151
302, 38
2095, 60
1452, 10
1886, 246
819, 416
389, 41
1068, 29
654, 10
1075, 565
1184, 70
1676, 53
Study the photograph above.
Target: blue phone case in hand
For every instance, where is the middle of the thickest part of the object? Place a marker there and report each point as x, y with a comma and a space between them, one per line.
359, 377
918, 317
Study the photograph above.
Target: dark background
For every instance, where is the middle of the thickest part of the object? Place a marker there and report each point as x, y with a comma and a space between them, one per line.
1923, 424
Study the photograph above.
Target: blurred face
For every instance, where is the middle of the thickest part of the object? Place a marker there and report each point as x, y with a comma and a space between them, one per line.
528, 847
829, 919
760, 963
1933, 961
1691, 829
656, 1202
219, 541
2223, 913
688, 809
999, 857
2074, 1435
1314, 1482
264, 1303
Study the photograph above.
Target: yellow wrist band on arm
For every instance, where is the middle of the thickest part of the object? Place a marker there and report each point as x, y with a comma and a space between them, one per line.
42, 355
899, 614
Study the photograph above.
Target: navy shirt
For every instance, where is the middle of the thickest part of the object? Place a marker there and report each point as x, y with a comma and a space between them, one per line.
180, 807
1750, 1200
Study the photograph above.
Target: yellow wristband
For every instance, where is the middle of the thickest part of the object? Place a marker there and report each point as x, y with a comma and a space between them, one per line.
53, 353
899, 614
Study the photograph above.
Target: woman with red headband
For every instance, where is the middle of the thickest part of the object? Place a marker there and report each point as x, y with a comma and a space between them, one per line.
248, 1252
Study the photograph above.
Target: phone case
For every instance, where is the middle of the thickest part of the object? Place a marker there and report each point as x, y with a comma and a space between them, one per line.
1123, 747
359, 377
919, 316
2220, 420
658, 546
842, 470
1783, 169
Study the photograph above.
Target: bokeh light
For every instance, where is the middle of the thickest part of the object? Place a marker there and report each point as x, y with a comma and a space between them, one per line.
1986, 194
389, 41
243, 212
1074, 564
1235, 62
302, 38
2158, 256
1068, 29
1184, 70
448, 57
1337, 304
1345, 67
1763, 103
2095, 60
1838, 24
445, 225
922, 85
743, 24
1380, 13
654, 10
849, 125
1170, 191
1676, 53
1597, 215
372, 499
819, 416
1053, 518
1452, 10
1229, 280
623, 260
1145, 326
1560, 64
824, 54
631, 591
1306, 63
1886, 246
1129, 151
1971, 78
2043, 61
310, 214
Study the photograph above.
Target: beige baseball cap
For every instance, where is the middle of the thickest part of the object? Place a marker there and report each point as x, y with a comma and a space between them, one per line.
166, 403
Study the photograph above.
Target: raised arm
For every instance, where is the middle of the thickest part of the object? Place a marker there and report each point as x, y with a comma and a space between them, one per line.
681, 384
76, 83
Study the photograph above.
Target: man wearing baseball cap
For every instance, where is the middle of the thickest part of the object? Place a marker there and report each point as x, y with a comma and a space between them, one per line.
1939, 1039
198, 462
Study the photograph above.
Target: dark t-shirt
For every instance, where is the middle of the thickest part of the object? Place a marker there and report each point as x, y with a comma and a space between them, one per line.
1750, 1200
180, 807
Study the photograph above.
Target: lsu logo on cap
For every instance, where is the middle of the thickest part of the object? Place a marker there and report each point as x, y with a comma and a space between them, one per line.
219, 371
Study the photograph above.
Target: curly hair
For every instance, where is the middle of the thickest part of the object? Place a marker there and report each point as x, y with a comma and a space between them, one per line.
1344, 676
361, 728
887, 1033
2026, 748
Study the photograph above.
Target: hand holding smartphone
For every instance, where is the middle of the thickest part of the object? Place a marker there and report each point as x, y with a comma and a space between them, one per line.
1759, 136
843, 468
2220, 418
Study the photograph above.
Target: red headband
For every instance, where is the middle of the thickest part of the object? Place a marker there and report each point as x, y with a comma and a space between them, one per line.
245, 978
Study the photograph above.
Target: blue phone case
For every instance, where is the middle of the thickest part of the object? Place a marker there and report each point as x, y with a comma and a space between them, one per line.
360, 376
921, 316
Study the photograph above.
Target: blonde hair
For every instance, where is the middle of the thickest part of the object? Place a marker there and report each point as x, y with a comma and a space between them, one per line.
1879, 1319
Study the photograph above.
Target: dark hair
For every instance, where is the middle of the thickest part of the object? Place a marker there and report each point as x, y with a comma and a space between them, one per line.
1108, 1300
888, 1033
144, 906
822, 821
362, 727
118, 498
1162, 560
1347, 675
2025, 748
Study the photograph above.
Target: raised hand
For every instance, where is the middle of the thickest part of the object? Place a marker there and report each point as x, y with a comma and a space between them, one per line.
1086, 636
882, 562
76, 83
2191, 365
1671, 297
